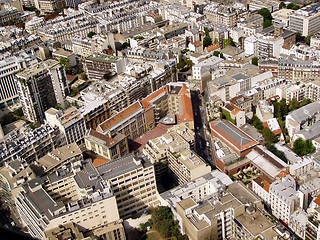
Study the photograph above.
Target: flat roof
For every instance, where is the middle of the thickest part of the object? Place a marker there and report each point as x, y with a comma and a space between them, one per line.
118, 167
104, 58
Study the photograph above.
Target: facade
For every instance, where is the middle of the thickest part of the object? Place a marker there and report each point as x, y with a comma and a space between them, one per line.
70, 122
110, 147
305, 20
8, 68
9, 14
50, 6
40, 88
68, 196
97, 65
27, 146
133, 183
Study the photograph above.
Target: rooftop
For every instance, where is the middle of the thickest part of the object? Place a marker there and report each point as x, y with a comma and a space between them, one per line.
104, 58
232, 134
303, 113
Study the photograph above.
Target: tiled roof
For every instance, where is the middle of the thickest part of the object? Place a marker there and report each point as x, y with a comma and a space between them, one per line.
118, 117
187, 109
213, 47
108, 140
146, 101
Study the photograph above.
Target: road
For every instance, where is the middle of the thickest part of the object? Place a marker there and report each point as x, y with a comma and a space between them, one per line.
203, 145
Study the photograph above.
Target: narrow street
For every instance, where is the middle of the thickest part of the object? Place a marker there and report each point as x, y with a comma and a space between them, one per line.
203, 145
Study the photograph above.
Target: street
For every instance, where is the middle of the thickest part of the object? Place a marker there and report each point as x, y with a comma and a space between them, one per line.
203, 145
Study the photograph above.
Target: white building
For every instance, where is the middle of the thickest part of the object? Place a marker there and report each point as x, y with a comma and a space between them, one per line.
250, 45
69, 121
205, 67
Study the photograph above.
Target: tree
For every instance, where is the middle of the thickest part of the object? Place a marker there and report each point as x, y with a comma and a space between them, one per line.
305, 101
302, 147
91, 34
65, 62
216, 53
298, 36
84, 76
269, 136
282, 5
265, 13
221, 55
293, 6
293, 104
257, 123
228, 42
308, 38
207, 41
189, 62
216, 41
267, 23
181, 64
254, 61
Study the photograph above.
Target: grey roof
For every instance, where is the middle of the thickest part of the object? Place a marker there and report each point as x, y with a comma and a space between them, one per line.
303, 113
232, 132
118, 167
312, 132
240, 76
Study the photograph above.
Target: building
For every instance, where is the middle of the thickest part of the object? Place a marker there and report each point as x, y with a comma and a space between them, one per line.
305, 20
205, 66
50, 6
110, 147
133, 182
302, 118
10, 14
30, 145
69, 195
40, 88
227, 15
97, 65
212, 206
69, 121
8, 68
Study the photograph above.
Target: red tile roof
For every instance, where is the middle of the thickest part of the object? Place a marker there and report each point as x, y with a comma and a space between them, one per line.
118, 117
213, 47
317, 201
187, 109
197, 43
146, 101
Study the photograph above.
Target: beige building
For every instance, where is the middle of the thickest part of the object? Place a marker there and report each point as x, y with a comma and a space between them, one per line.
186, 166
132, 180
68, 195
110, 147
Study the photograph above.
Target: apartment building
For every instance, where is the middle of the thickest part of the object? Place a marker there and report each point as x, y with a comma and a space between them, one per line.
283, 198
110, 147
208, 207
69, 121
63, 29
98, 64
8, 68
226, 15
186, 166
30, 145
51, 6
40, 88
132, 180
305, 20
269, 46
68, 196
315, 41
302, 118
9, 14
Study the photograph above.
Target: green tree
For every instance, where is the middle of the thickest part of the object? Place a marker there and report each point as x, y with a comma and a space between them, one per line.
293, 104
84, 76
216, 53
298, 36
207, 41
308, 38
302, 147
228, 42
257, 123
265, 13
254, 61
267, 23
181, 65
282, 5
221, 55
293, 6
65, 62
216, 41
269, 136
91, 34
284, 109
305, 101
189, 62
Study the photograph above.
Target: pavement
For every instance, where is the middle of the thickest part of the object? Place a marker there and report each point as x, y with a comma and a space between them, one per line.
134, 223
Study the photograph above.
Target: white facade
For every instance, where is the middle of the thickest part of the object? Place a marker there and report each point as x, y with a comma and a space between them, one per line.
250, 45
